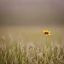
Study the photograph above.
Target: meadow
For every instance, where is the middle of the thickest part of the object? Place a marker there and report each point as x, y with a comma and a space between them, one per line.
28, 45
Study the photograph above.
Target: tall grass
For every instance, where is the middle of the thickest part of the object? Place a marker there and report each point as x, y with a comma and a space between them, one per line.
13, 51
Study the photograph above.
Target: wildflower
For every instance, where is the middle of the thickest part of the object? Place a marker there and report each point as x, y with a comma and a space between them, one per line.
47, 32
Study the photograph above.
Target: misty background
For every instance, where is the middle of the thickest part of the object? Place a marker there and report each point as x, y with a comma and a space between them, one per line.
31, 12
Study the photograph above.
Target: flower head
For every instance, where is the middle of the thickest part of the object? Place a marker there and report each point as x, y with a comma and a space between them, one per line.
47, 33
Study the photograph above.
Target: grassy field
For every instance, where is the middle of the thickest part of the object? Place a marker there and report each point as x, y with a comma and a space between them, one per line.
28, 45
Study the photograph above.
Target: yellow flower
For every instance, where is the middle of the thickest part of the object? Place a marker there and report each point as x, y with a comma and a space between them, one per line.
47, 33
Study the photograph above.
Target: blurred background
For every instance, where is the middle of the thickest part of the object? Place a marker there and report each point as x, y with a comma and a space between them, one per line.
31, 12
22, 40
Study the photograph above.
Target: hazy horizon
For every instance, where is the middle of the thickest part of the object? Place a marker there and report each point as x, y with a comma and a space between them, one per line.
31, 12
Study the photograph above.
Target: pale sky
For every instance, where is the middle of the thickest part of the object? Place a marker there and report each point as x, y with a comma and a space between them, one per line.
31, 11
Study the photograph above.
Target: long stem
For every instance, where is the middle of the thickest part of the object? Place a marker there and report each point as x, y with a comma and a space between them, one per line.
46, 52
46, 40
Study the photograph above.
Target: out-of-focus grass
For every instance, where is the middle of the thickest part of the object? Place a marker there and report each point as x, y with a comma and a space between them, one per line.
28, 46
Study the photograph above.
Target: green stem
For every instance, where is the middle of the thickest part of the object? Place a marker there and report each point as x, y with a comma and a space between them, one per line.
46, 41
46, 52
